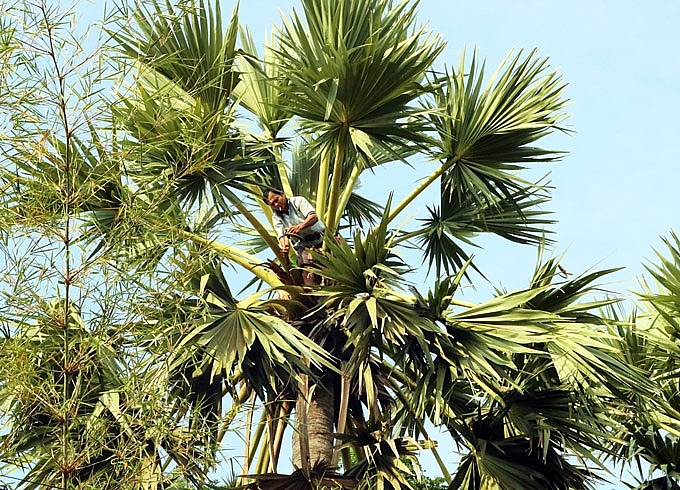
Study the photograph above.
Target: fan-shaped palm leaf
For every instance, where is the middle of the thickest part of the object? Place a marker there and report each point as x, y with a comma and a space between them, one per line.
461, 217
186, 44
181, 120
226, 333
511, 463
666, 302
583, 345
181, 147
258, 91
484, 132
353, 70
384, 462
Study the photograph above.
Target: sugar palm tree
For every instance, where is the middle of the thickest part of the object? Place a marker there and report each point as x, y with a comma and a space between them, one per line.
362, 361
362, 365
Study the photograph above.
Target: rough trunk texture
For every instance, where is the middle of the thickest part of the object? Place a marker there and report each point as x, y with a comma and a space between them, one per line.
314, 418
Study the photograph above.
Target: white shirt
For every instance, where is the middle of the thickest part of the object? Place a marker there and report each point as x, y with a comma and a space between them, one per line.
298, 210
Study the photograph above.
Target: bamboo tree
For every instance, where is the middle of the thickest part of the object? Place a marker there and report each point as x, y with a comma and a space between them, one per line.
80, 406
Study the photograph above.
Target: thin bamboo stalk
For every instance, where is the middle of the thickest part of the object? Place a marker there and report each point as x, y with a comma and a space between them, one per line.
248, 431
284, 411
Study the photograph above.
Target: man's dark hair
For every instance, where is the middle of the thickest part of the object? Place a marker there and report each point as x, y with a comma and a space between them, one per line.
267, 190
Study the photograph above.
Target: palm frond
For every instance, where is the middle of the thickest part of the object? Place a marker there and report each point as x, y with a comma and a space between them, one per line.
513, 463
461, 218
361, 211
666, 301
228, 336
186, 44
383, 461
353, 70
181, 148
485, 132
354, 64
371, 264
257, 90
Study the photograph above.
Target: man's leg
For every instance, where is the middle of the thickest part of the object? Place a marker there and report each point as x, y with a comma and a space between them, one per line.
304, 258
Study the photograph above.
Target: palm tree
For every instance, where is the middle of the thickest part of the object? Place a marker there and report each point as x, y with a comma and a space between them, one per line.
650, 427
363, 364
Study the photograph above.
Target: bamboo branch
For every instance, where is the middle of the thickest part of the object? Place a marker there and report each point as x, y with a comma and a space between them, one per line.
249, 428
241, 398
284, 411
260, 432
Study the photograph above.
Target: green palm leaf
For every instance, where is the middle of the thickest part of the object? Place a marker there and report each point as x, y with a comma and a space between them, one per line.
461, 217
511, 463
181, 148
484, 132
371, 264
353, 70
231, 337
666, 302
186, 44
584, 345
384, 462
258, 91
180, 114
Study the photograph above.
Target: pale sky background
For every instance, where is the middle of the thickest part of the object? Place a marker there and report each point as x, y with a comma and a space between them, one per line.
615, 192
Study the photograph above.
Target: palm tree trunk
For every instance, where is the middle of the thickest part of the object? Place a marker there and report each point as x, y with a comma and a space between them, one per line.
313, 436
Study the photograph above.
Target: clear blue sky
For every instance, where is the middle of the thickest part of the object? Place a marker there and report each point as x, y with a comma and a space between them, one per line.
616, 189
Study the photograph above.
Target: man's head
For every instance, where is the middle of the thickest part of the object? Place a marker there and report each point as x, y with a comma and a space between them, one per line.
276, 199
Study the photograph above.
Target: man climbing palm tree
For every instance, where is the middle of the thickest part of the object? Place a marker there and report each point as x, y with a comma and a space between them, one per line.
295, 218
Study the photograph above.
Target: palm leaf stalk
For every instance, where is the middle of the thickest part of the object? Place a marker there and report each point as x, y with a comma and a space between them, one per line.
248, 262
336, 179
349, 187
263, 232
